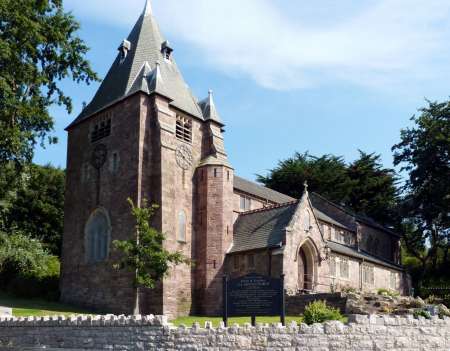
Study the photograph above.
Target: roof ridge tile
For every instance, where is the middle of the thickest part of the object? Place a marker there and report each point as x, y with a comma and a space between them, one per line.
268, 208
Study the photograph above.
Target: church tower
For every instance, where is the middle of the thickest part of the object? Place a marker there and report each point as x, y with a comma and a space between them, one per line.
214, 201
145, 136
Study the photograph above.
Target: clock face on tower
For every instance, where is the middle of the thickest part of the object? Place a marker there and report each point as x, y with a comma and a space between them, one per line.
184, 157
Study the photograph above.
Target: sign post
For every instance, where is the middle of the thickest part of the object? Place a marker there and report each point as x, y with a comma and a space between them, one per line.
253, 295
283, 302
225, 300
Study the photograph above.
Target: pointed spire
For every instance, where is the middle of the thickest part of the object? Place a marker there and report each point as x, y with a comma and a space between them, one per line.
209, 108
156, 81
148, 8
127, 73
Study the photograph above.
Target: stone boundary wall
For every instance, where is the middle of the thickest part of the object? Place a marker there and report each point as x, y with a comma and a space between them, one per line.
155, 333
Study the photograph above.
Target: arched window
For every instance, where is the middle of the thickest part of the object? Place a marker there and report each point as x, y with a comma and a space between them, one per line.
181, 226
97, 231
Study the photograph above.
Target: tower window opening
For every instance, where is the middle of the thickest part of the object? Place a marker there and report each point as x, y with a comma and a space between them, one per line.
181, 226
101, 130
115, 162
184, 129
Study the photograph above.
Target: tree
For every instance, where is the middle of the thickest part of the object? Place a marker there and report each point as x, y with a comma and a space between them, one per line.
374, 191
38, 48
363, 186
424, 153
21, 255
326, 175
145, 254
37, 207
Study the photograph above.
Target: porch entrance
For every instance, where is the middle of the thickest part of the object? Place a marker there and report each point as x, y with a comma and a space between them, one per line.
306, 267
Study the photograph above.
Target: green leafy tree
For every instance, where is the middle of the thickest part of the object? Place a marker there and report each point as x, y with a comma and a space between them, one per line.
38, 49
363, 186
37, 207
8, 184
326, 175
145, 253
374, 189
424, 153
21, 255
26, 268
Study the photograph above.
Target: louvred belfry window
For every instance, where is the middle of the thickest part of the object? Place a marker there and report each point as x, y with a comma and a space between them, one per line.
184, 129
101, 130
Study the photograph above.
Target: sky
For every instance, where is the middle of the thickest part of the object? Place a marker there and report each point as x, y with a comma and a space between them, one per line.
324, 76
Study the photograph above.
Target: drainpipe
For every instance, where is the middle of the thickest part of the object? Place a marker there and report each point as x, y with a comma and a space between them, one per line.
361, 264
358, 237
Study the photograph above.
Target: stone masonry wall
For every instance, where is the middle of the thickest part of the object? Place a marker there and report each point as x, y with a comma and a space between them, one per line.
154, 333
296, 304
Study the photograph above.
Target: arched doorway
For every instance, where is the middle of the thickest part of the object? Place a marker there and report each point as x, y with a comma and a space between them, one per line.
306, 267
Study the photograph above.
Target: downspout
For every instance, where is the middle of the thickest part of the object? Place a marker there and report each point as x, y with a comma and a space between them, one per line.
361, 264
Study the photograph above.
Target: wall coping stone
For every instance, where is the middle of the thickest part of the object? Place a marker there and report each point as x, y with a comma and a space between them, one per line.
162, 321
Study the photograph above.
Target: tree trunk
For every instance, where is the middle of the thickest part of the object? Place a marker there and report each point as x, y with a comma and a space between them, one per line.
137, 309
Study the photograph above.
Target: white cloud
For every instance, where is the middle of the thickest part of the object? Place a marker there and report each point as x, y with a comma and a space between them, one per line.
289, 45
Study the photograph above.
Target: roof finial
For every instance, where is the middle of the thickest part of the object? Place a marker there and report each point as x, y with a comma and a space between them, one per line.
148, 8
305, 184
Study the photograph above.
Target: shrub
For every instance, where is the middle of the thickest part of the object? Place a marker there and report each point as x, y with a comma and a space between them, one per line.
319, 312
433, 300
20, 254
26, 269
422, 313
416, 303
387, 292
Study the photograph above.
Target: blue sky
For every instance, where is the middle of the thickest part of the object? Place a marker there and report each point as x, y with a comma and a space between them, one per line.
322, 76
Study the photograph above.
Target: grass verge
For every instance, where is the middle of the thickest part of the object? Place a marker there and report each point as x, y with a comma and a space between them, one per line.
38, 307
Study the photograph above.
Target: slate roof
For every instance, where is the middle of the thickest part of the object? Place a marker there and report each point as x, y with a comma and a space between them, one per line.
260, 191
265, 228
262, 228
343, 217
322, 216
352, 252
324, 209
330, 212
138, 72
209, 109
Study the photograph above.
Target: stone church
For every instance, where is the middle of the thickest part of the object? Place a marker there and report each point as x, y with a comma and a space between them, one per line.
145, 135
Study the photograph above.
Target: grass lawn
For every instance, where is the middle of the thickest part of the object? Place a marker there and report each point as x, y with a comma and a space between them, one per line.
188, 321
37, 307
